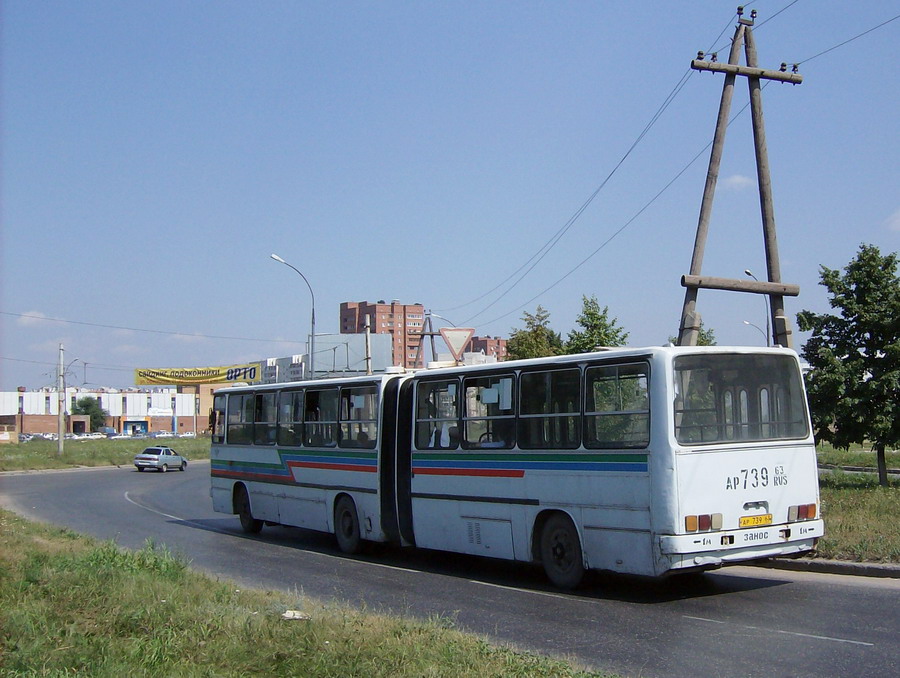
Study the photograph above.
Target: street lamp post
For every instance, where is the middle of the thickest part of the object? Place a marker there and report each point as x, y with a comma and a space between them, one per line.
748, 272
747, 322
61, 401
312, 329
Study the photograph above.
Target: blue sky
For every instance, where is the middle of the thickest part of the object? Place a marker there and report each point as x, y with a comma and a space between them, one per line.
154, 154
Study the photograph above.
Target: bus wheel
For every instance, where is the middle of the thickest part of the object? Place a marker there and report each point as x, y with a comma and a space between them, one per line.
249, 524
346, 526
561, 552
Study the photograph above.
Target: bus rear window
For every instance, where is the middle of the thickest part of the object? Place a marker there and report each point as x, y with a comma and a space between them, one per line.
738, 397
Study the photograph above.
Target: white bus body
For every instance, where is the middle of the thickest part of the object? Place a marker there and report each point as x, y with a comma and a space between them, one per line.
643, 461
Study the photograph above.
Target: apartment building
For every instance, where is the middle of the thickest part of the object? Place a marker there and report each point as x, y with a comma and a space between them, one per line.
490, 346
404, 322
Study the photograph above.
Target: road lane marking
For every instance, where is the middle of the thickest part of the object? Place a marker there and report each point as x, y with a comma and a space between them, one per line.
546, 594
159, 513
786, 633
232, 534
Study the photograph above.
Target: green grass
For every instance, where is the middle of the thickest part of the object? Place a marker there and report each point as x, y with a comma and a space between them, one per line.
71, 605
855, 456
860, 518
42, 454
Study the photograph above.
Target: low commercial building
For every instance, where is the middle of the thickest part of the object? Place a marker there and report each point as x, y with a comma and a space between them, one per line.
130, 411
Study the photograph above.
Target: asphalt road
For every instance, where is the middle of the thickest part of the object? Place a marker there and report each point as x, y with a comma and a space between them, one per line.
739, 621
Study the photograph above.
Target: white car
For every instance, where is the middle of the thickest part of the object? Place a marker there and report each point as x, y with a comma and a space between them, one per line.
160, 458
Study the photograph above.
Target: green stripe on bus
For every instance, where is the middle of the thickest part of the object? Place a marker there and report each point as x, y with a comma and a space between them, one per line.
501, 456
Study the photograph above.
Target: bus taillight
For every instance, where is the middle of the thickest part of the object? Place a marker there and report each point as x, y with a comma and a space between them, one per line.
802, 512
703, 523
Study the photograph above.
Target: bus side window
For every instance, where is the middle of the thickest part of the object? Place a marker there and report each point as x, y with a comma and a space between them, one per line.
359, 416
617, 406
264, 419
240, 419
489, 415
320, 420
290, 418
217, 419
548, 409
437, 422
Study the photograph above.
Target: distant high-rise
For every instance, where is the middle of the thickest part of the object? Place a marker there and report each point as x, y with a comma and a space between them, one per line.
404, 322
490, 346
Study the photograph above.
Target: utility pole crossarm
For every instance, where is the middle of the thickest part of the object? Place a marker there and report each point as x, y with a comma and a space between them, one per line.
737, 69
734, 285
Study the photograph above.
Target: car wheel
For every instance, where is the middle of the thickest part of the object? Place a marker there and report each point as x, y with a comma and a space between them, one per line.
346, 526
249, 524
184, 466
164, 468
140, 468
561, 552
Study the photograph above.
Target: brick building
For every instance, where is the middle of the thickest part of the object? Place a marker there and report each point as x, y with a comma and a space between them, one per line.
182, 409
490, 346
404, 322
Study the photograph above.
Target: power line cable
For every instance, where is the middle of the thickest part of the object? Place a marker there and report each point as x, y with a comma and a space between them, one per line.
539, 256
547, 246
694, 159
763, 23
139, 329
847, 42
625, 225
97, 366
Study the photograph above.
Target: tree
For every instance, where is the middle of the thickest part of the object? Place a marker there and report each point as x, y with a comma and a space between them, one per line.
536, 340
854, 384
91, 407
598, 329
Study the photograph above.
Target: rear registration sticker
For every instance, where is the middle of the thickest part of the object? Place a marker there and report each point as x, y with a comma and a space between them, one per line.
755, 521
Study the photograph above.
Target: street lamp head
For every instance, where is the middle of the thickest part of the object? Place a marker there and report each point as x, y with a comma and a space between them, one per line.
435, 315
747, 271
279, 259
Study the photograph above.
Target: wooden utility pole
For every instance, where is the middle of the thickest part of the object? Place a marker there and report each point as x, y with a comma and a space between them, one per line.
61, 403
774, 288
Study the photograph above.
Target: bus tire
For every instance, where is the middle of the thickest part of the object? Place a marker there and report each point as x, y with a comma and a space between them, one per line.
346, 525
561, 552
249, 524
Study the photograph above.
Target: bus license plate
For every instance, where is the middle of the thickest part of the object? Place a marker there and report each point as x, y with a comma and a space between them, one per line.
756, 521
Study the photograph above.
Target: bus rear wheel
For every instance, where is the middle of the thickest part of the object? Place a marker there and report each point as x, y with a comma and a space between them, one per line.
561, 552
249, 524
346, 526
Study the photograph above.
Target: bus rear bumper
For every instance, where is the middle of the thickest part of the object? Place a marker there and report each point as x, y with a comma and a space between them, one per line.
713, 549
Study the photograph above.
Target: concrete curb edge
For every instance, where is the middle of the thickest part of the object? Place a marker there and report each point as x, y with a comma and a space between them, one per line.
887, 570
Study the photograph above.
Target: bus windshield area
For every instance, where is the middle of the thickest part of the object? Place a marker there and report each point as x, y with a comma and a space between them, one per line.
735, 397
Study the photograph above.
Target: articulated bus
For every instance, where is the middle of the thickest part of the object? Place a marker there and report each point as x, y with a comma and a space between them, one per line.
645, 461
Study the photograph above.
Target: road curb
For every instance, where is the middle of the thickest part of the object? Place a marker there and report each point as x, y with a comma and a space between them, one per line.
887, 570
857, 469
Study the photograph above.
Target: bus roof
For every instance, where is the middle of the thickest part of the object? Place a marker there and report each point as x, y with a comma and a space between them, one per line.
575, 358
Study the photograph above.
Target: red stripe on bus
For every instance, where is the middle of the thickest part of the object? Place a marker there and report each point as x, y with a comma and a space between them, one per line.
332, 467
248, 474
